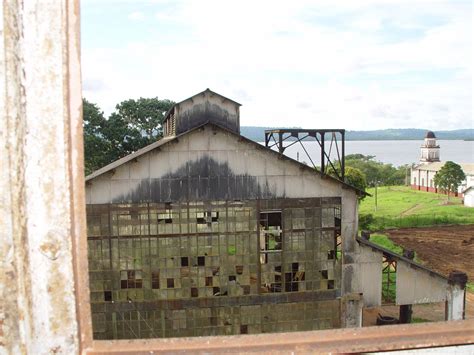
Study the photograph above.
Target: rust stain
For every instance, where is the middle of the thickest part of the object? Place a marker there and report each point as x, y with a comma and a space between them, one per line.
51, 248
55, 350
58, 289
48, 46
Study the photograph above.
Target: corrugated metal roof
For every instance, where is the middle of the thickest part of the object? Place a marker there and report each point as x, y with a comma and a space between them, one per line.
169, 139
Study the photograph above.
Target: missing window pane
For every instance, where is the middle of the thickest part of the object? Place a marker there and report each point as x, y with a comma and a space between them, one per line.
155, 280
107, 296
184, 261
201, 261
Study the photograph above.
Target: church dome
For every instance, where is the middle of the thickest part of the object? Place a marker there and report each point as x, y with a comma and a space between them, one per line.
430, 134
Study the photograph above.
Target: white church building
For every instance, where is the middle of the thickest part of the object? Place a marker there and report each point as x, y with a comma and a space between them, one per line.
422, 175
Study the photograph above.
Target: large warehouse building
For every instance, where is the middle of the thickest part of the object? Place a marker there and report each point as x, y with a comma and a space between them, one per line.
205, 232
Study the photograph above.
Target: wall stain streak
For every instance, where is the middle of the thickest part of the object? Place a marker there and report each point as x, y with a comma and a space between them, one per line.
201, 180
200, 114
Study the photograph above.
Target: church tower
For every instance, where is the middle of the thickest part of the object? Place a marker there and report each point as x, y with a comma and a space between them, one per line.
429, 149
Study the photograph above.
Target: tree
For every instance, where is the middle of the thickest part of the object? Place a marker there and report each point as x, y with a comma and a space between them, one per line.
356, 178
449, 177
353, 177
96, 146
143, 118
134, 125
377, 173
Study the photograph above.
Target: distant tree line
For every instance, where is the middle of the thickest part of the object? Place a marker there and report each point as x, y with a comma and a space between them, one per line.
133, 125
376, 172
363, 171
258, 134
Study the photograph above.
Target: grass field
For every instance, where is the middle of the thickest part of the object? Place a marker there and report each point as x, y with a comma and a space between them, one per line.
401, 207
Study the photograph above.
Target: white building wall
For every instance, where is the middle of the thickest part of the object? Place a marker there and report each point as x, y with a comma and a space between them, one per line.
424, 179
416, 286
469, 198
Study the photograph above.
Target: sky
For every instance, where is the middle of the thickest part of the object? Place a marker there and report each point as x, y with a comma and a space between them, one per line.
358, 65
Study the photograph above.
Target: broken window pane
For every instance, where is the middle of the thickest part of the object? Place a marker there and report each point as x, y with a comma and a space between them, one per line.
131, 279
165, 217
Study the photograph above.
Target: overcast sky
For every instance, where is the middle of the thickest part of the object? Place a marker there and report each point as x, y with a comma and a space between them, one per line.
354, 64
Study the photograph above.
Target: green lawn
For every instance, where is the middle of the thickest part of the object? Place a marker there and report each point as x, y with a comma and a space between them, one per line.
400, 206
384, 241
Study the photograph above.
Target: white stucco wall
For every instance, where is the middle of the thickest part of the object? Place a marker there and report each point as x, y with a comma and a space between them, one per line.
415, 286
469, 198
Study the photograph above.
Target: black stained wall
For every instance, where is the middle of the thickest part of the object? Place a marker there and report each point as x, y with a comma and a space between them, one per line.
202, 180
202, 113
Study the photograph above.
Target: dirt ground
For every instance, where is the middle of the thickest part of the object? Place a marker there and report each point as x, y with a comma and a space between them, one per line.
443, 249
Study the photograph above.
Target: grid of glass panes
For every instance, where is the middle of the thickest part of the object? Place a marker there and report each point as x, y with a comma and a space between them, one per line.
159, 252
309, 249
223, 320
270, 246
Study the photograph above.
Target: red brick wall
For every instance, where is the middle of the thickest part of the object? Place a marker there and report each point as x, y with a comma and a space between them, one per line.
434, 190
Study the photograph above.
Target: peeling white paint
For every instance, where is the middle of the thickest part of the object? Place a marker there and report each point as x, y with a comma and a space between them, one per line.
38, 313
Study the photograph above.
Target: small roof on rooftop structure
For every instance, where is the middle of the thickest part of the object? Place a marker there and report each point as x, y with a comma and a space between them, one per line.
166, 140
430, 134
201, 93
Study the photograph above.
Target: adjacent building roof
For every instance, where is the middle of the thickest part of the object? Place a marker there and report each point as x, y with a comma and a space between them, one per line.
469, 188
468, 168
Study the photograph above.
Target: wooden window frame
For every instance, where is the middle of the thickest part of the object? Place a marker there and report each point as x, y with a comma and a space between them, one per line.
70, 96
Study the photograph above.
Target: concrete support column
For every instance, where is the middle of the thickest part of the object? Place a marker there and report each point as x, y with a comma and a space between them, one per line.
406, 311
456, 296
352, 305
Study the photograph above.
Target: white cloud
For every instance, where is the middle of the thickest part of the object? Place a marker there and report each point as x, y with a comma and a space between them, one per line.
289, 67
136, 16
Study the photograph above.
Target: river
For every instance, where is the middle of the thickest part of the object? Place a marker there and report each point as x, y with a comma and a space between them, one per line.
397, 152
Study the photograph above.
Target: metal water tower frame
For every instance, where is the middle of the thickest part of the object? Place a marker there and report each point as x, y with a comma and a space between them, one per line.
284, 138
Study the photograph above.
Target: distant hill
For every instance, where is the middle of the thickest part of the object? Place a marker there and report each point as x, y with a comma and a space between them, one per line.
258, 134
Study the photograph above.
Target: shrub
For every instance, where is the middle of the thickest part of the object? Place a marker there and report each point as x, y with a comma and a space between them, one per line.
365, 221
